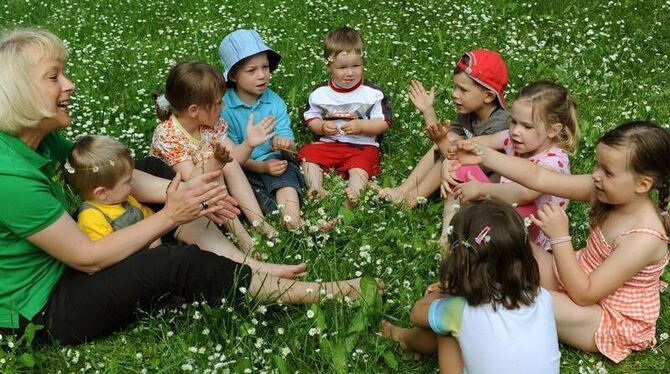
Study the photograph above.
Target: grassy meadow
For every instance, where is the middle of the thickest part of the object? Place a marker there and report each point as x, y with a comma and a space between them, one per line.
613, 56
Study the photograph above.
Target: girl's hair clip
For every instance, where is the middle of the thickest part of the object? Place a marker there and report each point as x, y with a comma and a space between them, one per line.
163, 103
483, 236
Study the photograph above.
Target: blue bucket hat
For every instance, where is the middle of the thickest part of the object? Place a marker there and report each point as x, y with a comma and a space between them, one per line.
241, 44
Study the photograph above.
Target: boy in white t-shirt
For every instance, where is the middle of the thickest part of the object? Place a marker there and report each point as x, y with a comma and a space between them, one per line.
349, 115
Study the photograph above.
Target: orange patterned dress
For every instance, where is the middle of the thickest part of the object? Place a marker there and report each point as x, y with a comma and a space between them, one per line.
629, 316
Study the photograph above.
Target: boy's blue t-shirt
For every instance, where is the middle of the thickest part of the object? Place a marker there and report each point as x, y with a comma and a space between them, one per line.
236, 113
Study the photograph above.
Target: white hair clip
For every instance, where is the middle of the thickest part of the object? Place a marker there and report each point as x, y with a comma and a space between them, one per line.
163, 103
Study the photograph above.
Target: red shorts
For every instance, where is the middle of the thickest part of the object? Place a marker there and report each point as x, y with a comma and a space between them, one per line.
342, 157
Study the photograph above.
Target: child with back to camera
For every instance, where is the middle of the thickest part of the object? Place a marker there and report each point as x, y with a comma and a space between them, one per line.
100, 169
606, 296
271, 169
488, 313
480, 77
349, 115
543, 127
190, 129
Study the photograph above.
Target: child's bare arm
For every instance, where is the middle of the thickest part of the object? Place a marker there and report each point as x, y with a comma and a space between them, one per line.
368, 127
423, 101
526, 173
419, 314
631, 254
508, 192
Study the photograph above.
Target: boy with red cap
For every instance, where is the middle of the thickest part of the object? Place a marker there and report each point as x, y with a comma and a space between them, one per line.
480, 77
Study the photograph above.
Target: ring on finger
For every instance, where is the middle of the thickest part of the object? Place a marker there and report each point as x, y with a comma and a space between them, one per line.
204, 205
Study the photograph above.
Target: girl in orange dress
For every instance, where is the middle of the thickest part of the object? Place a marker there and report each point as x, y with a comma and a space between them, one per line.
606, 296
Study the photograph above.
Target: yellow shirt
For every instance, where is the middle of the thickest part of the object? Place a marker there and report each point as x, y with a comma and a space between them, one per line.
94, 224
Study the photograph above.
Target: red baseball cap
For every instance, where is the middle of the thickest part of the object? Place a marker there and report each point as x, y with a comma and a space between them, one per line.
486, 68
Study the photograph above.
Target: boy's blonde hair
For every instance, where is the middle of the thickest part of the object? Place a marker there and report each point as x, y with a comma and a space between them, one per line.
20, 105
97, 161
552, 104
342, 39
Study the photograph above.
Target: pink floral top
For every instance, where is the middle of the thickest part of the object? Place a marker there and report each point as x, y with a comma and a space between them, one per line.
173, 144
554, 158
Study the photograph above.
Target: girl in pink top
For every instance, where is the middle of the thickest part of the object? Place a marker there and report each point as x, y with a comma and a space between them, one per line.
542, 128
606, 296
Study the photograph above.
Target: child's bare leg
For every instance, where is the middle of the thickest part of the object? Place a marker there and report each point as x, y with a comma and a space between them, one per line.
415, 340
268, 287
576, 324
545, 263
358, 178
449, 355
396, 195
425, 187
314, 180
208, 237
448, 212
288, 198
239, 187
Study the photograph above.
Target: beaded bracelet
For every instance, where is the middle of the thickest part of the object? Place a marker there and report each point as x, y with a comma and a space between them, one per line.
560, 239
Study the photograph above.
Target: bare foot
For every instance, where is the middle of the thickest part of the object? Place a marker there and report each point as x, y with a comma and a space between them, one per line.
316, 194
268, 230
375, 186
395, 333
329, 225
283, 270
392, 195
352, 198
350, 288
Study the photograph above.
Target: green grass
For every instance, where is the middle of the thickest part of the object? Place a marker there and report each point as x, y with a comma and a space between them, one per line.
613, 56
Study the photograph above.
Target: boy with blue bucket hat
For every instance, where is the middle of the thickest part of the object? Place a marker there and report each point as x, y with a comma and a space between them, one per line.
271, 170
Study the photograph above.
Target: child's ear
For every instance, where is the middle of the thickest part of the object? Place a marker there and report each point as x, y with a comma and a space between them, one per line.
99, 193
490, 97
193, 110
644, 184
554, 130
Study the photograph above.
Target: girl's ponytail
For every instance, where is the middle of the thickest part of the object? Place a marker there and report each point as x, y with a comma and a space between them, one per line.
161, 106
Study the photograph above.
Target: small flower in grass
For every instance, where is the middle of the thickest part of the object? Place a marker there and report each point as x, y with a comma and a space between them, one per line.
193, 349
421, 199
256, 223
187, 367
270, 244
205, 331
287, 218
197, 315
138, 355
243, 290
262, 309
285, 351
259, 342
663, 336
310, 314
313, 331
280, 331
169, 334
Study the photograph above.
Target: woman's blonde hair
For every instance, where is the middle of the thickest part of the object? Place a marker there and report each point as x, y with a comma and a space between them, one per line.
552, 104
20, 105
97, 161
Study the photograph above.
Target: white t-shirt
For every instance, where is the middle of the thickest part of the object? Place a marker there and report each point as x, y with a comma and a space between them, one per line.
519, 341
363, 101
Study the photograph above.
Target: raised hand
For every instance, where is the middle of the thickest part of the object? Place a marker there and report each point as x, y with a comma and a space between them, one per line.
221, 153
421, 98
275, 167
437, 132
552, 220
469, 152
261, 132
